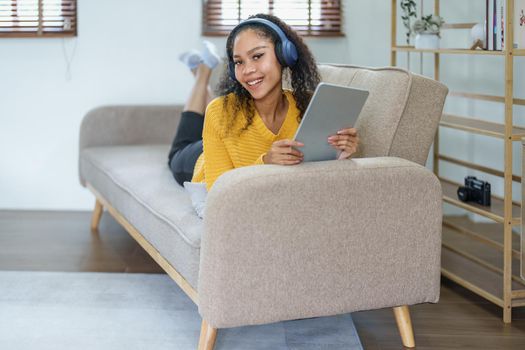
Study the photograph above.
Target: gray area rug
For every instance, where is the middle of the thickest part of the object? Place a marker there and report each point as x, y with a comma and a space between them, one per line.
64, 310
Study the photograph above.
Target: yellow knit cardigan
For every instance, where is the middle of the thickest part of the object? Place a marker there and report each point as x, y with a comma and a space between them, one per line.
223, 153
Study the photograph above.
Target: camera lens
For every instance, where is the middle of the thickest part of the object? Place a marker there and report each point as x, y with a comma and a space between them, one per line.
462, 194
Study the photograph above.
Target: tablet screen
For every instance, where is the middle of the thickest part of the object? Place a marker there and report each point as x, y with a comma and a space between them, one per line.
332, 108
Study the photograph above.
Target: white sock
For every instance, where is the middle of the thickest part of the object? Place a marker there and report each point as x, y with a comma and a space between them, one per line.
191, 58
210, 57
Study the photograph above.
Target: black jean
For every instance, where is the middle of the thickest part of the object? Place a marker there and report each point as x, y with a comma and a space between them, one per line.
186, 146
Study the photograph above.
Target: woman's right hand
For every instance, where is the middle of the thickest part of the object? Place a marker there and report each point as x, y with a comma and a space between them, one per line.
283, 153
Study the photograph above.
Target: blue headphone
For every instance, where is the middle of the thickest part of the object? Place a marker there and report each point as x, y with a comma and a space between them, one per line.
285, 50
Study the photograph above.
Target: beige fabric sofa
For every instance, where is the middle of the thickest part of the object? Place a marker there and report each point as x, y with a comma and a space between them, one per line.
277, 242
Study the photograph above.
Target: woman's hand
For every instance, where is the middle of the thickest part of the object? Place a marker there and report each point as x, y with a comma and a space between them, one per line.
282, 152
346, 141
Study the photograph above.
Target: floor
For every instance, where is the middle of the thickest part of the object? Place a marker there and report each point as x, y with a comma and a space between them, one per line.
62, 241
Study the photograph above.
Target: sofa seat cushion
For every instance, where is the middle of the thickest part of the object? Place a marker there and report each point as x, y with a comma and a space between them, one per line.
137, 182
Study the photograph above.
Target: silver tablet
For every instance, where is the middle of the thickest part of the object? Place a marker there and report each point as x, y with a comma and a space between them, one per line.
332, 108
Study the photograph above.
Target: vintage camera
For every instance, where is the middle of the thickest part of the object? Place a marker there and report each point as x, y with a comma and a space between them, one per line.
475, 190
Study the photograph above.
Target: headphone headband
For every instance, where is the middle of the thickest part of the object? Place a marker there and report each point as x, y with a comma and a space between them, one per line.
274, 27
285, 50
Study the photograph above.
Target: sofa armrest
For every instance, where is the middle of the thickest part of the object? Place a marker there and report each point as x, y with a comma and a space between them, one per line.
318, 239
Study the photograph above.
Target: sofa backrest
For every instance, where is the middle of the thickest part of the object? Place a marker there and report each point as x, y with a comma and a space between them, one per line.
401, 115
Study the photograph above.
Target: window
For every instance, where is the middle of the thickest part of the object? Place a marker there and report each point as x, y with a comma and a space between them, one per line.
38, 18
307, 17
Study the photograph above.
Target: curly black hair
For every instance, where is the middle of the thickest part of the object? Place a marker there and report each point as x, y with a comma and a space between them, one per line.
304, 74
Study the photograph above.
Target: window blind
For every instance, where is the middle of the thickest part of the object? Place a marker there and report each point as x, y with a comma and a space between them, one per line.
38, 18
307, 17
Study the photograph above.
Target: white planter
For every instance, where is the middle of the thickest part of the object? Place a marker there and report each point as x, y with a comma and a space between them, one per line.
427, 41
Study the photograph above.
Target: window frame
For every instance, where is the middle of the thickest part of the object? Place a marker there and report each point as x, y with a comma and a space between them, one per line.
208, 30
40, 30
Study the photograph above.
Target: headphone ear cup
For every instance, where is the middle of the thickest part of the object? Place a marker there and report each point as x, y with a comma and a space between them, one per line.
289, 53
279, 54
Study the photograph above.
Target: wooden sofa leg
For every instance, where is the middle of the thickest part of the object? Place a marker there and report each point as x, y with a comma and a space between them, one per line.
97, 214
404, 324
208, 336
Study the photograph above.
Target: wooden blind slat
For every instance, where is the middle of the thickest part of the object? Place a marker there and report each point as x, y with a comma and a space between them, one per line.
307, 17
38, 18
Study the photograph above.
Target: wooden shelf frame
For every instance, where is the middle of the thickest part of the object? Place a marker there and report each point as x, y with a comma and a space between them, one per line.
480, 127
490, 237
481, 278
481, 243
459, 51
485, 97
474, 272
478, 279
458, 25
491, 171
496, 284
494, 212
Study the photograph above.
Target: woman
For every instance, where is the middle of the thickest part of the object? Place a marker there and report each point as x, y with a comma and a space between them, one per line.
254, 119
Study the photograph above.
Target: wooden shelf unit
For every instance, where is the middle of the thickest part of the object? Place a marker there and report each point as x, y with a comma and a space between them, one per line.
515, 52
484, 258
449, 51
487, 170
494, 212
482, 97
481, 127
480, 242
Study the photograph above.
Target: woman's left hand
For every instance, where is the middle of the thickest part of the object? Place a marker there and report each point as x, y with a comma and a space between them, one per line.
346, 141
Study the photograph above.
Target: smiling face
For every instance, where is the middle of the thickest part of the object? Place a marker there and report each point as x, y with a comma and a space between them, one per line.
256, 66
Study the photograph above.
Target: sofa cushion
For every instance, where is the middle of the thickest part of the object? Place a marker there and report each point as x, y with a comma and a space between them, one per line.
137, 182
382, 112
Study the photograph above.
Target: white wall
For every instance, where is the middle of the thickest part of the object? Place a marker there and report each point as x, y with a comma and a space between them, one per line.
130, 57
126, 53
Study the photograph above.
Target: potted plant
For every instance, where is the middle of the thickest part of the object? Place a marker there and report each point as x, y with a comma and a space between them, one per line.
427, 31
409, 10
